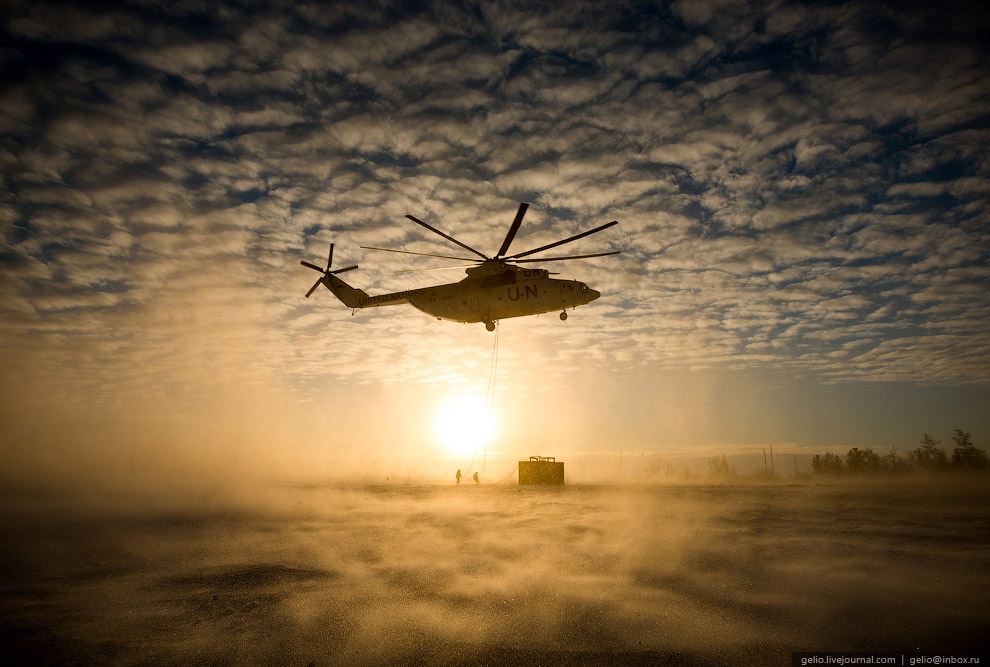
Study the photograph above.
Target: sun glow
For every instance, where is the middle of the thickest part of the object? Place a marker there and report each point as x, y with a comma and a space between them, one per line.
464, 425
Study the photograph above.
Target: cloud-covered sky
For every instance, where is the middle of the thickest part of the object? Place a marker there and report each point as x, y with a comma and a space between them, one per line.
802, 190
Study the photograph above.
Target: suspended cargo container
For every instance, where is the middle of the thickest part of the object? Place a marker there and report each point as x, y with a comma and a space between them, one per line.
541, 470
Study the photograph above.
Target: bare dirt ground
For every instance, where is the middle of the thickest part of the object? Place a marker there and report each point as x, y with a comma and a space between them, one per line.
674, 575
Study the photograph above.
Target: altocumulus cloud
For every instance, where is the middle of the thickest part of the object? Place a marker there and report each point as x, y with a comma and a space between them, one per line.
799, 186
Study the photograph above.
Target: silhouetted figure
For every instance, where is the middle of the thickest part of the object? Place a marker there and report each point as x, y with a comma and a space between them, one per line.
476, 481
458, 475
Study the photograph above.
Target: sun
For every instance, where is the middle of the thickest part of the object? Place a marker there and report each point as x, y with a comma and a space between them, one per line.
464, 425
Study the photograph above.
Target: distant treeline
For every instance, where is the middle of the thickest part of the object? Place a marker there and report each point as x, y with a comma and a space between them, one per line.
927, 458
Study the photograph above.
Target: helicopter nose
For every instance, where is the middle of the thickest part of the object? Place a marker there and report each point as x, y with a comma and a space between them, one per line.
593, 294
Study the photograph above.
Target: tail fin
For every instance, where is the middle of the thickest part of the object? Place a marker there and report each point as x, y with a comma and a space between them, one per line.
350, 296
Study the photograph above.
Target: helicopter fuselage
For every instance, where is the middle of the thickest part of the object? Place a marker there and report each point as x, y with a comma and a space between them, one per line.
494, 289
490, 292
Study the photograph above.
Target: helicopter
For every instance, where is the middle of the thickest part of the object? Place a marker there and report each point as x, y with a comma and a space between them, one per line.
495, 287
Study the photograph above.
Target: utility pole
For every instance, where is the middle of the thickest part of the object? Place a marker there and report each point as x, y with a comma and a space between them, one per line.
773, 475
766, 472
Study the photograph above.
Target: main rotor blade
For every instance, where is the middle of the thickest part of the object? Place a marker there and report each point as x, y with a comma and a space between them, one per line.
568, 240
313, 266
424, 254
449, 238
330, 258
442, 268
315, 285
348, 268
558, 259
512, 230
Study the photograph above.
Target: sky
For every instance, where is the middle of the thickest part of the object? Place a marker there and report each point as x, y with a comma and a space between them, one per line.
801, 190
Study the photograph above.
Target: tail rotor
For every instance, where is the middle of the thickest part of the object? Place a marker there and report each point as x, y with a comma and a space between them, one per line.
326, 272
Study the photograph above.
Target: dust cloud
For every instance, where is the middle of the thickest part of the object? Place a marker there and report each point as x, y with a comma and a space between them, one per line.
441, 574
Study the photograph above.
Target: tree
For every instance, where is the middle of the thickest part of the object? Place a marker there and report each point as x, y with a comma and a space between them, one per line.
720, 468
854, 460
862, 461
966, 455
830, 464
893, 463
929, 456
872, 460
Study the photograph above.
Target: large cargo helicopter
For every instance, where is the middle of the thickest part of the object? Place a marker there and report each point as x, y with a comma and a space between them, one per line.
494, 289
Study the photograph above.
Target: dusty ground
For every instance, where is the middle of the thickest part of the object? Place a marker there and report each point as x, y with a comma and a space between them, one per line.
681, 575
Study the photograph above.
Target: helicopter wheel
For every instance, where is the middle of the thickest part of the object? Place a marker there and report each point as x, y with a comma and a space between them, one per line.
490, 325
563, 315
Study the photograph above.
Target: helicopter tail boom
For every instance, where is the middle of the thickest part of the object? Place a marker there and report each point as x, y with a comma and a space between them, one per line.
353, 297
349, 296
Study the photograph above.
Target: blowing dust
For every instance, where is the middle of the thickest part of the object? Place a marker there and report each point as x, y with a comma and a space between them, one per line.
375, 574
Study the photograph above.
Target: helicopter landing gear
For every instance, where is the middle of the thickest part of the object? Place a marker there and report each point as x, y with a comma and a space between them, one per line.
563, 315
489, 325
